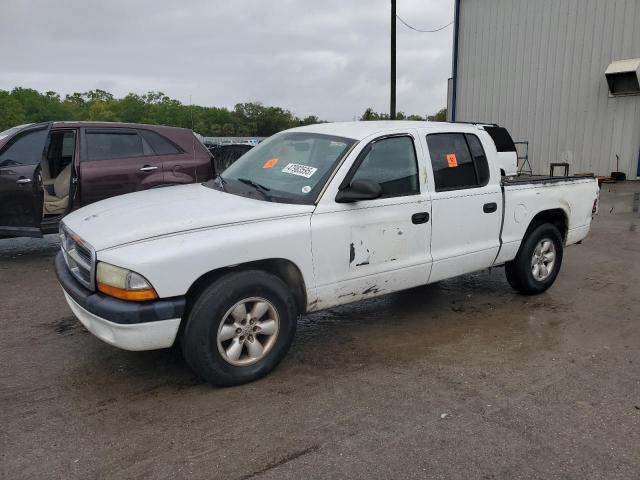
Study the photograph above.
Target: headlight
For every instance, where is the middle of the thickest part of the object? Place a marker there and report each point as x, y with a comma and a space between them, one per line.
123, 284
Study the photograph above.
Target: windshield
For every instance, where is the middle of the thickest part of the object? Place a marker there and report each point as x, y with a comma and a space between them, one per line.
289, 167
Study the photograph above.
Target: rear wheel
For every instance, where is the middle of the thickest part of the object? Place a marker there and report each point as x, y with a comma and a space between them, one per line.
239, 328
538, 262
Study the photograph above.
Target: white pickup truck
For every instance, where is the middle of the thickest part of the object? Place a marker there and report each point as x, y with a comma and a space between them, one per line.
311, 218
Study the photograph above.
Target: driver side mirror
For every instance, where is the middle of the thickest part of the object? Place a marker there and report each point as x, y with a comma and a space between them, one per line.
359, 190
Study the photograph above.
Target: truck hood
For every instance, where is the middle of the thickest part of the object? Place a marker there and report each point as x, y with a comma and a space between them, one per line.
162, 211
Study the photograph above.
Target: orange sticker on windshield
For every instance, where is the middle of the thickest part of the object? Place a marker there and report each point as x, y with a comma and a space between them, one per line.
270, 163
452, 160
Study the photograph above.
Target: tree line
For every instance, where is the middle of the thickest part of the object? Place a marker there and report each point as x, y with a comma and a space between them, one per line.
25, 105
369, 114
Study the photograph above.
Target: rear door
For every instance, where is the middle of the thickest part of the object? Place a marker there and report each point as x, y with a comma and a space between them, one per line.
20, 185
179, 166
467, 204
115, 161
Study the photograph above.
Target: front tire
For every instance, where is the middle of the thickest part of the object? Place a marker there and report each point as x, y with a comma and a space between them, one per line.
538, 261
239, 328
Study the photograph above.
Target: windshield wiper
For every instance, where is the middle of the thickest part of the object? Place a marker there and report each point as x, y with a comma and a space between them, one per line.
223, 182
261, 188
216, 182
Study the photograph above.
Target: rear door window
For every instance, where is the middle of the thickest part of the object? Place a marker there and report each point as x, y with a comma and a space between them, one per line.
159, 144
112, 145
479, 158
458, 161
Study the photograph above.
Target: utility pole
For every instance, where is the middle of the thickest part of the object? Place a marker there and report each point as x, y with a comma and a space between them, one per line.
392, 103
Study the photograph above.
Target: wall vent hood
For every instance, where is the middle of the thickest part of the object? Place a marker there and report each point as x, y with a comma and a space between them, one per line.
623, 77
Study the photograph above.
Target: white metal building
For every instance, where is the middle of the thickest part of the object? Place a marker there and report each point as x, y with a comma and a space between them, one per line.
538, 68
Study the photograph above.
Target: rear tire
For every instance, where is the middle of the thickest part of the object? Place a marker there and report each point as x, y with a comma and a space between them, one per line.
538, 261
239, 328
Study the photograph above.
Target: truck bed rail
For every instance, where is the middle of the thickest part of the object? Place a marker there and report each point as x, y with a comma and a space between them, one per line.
527, 179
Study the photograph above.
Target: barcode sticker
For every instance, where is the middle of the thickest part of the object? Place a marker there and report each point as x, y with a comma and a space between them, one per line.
300, 170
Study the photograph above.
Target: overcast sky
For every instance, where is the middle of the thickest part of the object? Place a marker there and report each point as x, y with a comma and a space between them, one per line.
329, 57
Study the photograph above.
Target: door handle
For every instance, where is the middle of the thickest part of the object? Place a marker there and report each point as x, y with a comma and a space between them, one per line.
490, 207
148, 168
422, 217
23, 180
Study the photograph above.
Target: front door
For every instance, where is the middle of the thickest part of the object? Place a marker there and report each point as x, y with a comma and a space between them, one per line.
371, 247
115, 161
20, 185
467, 205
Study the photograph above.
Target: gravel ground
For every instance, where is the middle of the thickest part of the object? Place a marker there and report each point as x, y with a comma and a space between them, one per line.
462, 379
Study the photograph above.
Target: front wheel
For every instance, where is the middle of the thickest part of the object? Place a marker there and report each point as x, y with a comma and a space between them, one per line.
239, 328
538, 262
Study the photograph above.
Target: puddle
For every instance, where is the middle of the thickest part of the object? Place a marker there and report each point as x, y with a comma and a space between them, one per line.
66, 326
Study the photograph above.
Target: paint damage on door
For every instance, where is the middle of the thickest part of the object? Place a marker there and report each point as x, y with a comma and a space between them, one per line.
375, 244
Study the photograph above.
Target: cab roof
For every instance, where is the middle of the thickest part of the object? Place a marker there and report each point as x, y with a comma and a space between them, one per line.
364, 129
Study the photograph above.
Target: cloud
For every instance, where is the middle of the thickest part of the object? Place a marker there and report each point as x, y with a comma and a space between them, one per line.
329, 58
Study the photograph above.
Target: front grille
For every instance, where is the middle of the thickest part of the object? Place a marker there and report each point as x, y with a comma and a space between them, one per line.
79, 257
84, 253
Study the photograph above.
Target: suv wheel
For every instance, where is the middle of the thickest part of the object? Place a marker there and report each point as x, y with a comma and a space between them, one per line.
538, 262
239, 328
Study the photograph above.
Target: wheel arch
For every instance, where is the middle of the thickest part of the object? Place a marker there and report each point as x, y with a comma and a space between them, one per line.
284, 269
558, 217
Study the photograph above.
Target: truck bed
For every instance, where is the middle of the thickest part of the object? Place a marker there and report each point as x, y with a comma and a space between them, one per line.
536, 179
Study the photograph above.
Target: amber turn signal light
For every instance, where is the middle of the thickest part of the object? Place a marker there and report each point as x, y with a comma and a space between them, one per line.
131, 295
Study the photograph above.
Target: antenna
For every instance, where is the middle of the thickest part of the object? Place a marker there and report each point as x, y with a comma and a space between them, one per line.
193, 139
191, 111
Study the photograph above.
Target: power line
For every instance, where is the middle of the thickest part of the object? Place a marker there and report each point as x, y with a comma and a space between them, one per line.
423, 31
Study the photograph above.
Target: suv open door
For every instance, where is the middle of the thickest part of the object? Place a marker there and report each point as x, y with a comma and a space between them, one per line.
21, 194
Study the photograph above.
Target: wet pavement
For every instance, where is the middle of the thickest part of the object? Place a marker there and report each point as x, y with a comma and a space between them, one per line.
462, 379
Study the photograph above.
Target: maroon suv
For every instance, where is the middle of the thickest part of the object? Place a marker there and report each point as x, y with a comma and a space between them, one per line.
49, 169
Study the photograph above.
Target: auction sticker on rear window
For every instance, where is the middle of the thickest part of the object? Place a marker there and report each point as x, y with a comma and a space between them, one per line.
300, 170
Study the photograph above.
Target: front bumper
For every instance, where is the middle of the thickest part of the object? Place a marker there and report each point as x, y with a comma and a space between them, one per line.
128, 325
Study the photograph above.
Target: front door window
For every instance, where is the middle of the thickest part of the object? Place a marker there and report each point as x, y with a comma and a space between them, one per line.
391, 162
25, 150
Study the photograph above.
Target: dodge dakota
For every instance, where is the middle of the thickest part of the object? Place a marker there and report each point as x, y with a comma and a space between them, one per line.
311, 218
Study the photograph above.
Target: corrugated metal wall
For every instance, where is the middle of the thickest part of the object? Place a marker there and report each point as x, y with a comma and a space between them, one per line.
537, 68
